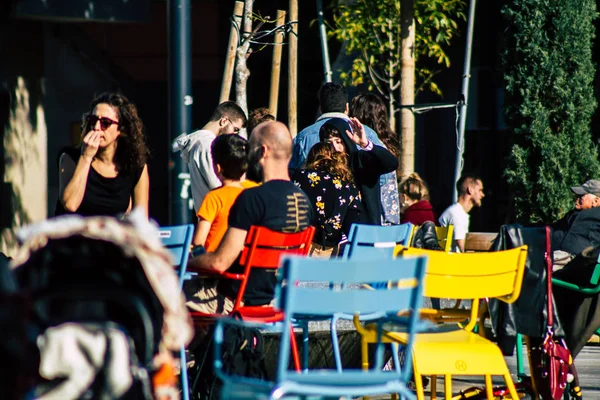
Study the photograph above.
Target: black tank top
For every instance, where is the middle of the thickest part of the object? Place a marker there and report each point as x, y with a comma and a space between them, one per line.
103, 196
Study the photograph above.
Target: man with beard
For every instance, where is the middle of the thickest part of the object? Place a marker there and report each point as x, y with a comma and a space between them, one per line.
228, 118
470, 194
276, 204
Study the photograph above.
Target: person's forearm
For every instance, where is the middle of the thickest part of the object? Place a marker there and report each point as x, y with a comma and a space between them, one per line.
208, 262
72, 196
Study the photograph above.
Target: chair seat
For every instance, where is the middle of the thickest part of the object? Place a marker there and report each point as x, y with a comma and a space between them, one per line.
350, 378
264, 314
318, 383
453, 351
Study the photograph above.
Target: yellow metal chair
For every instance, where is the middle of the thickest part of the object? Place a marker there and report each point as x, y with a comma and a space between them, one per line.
450, 350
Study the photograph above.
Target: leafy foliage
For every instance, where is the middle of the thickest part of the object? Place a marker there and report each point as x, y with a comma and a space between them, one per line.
371, 30
549, 104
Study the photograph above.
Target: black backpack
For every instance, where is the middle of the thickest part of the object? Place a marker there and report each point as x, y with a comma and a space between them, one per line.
242, 354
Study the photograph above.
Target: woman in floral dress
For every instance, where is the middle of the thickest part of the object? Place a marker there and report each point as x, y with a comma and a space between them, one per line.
328, 183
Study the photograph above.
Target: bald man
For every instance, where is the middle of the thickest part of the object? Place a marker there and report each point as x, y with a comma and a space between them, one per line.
277, 204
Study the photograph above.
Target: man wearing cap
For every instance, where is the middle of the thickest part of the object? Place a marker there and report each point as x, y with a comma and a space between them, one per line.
580, 228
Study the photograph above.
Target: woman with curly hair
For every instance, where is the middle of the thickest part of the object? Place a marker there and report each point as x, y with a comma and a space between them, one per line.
329, 184
108, 174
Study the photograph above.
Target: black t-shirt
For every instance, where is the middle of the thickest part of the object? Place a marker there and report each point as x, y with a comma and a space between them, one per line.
278, 205
103, 196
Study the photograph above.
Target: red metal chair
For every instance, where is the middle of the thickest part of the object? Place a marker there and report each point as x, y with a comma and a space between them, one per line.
263, 248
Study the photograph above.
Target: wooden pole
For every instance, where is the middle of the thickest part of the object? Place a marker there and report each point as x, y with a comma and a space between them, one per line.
236, 25
293, 70
276, 66
407, 88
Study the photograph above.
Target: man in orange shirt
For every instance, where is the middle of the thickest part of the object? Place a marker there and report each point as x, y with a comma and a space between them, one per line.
230, 158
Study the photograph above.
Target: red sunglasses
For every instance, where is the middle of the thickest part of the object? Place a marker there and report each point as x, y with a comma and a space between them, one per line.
105, 122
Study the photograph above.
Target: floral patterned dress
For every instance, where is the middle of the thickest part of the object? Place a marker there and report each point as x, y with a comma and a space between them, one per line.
336, 204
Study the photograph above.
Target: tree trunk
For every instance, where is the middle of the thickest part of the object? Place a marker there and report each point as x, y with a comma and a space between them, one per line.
241, 69
392, 73
407, 87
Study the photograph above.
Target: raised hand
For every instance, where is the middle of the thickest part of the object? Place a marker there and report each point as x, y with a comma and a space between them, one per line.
358, 134
91, 143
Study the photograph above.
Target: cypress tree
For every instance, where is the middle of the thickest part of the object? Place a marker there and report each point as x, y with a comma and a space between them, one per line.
548, 72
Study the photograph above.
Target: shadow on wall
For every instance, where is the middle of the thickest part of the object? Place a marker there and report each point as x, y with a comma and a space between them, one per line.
23, 164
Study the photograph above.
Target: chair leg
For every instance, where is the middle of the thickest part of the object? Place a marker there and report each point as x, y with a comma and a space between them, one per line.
418, 382
336, 345
395, 357
511, 386
519, 348
294, 349
448, 386
305, 345
433, 387
528, 346
364, 349
183, 373
488, 387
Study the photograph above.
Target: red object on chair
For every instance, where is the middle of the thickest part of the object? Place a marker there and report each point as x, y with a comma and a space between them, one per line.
263, 248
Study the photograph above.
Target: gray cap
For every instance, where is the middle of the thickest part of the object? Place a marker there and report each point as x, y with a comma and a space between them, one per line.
592, 187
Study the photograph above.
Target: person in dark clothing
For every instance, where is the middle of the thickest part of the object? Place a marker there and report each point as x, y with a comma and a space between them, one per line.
108, 174
277, 204
329, 185
366, 164
414, 197
580, 228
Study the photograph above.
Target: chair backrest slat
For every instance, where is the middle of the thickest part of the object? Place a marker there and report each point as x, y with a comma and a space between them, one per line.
473, 275
178, 239
372, 241
312, 279
263, 247
321, 287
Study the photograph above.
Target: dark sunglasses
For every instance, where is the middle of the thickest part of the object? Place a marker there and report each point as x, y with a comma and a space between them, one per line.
105, 122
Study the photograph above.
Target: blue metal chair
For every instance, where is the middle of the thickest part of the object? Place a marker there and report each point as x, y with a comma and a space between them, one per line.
305, 289
178, 239
368, 242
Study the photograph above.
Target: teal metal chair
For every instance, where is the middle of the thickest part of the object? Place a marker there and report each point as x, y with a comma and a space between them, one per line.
178, 239
369, 242
305, 288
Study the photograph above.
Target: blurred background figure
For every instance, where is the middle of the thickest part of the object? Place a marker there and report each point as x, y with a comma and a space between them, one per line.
370, 109
255, 118
414, 199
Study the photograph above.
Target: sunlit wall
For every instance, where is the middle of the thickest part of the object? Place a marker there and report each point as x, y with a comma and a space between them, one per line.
25, 162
